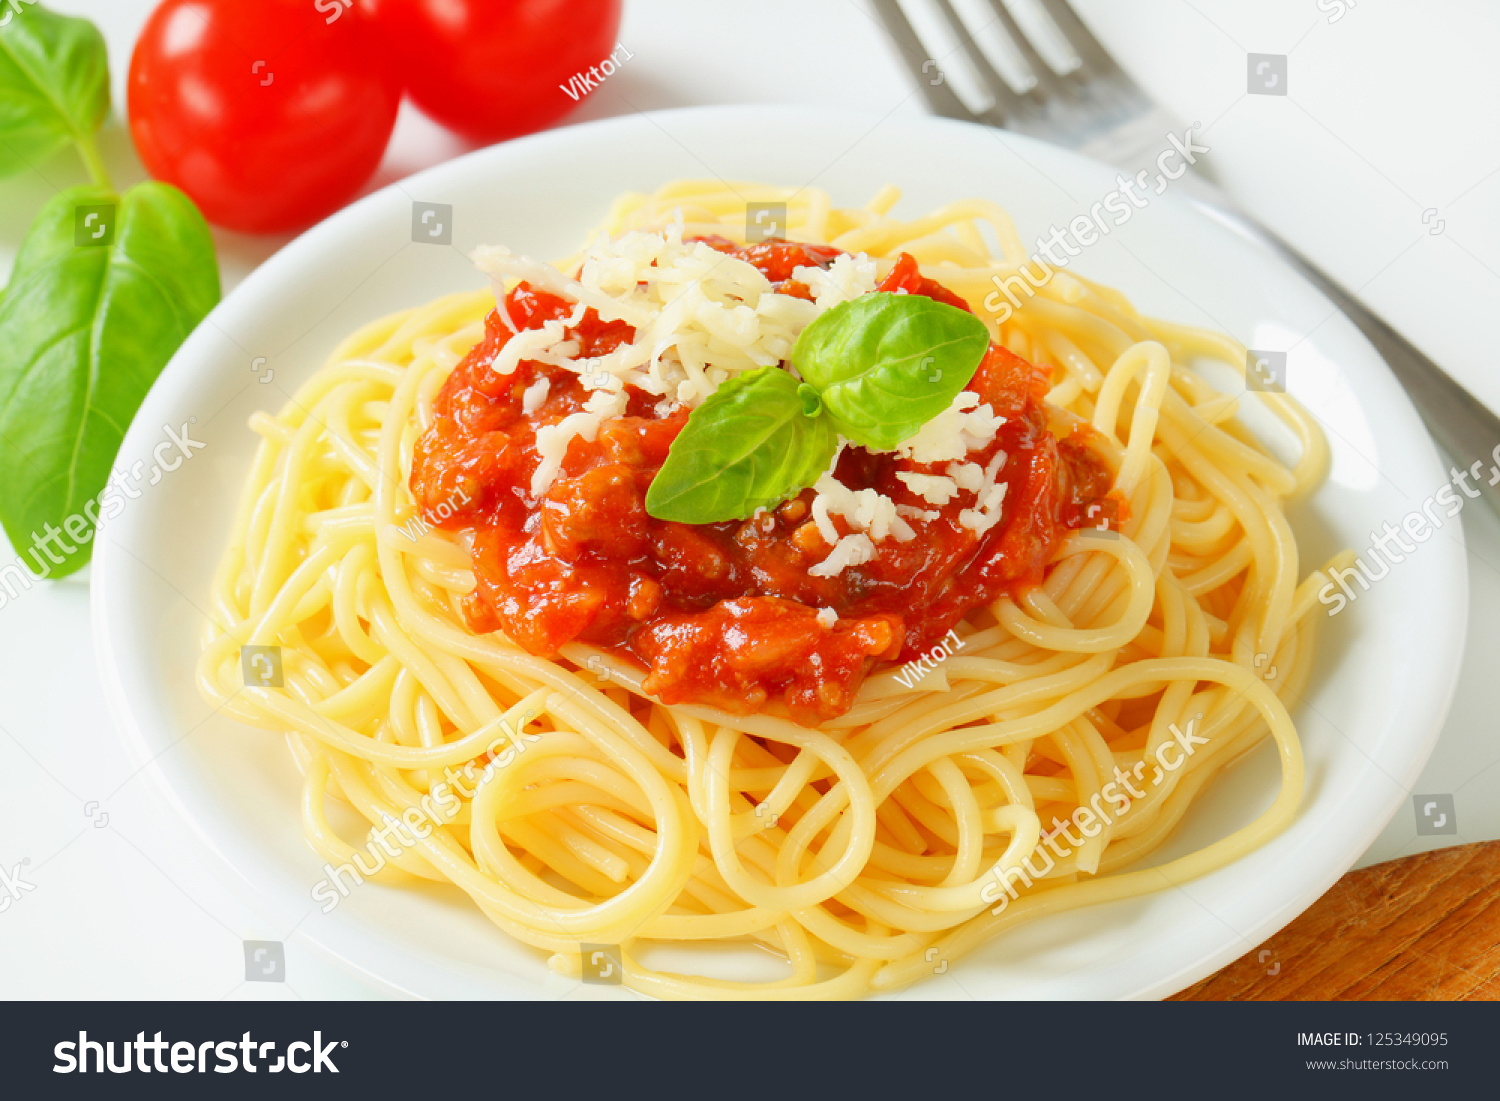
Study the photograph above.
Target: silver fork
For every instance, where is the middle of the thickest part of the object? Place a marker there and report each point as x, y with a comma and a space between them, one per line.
1093, 106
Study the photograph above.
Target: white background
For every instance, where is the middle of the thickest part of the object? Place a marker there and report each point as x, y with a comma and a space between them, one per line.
1390, 117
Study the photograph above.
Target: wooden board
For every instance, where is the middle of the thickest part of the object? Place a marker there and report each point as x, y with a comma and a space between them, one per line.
1423, 928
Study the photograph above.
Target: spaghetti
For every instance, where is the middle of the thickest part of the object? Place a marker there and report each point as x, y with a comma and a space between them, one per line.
936, 811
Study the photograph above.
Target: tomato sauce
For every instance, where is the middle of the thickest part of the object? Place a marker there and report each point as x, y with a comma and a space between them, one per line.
726, 614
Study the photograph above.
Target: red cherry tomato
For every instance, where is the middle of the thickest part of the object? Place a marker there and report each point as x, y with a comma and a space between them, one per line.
495, 69
269, 114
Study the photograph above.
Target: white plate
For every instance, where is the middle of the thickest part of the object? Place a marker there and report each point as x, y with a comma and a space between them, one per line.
1386, 666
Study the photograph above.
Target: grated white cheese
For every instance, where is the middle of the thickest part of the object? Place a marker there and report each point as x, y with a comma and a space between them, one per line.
545, 345
851, 550
967, 476
827, 617
499, 263
552, 439
535, 395
964, 426
932, 488
866, 510
989, 500
700, 316
848, 277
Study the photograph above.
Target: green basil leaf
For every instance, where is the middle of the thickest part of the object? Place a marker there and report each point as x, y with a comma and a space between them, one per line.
750, 445
95, 308
54, 86
886, 364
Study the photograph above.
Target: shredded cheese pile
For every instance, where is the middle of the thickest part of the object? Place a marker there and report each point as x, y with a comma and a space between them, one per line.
701, 317
964, 427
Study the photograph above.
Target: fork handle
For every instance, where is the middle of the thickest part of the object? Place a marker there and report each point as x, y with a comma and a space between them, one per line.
1462, 426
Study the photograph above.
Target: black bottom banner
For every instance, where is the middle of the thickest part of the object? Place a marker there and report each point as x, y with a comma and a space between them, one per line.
107, 1049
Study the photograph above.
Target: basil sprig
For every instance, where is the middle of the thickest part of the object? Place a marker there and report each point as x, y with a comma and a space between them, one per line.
104, 290
886, 364
84, 331
874, 370
54, 87
750, 445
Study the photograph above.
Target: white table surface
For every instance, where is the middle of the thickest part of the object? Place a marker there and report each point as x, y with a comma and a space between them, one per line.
1389, 119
